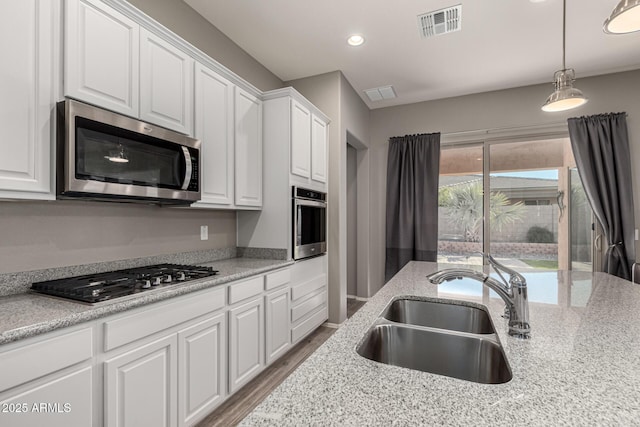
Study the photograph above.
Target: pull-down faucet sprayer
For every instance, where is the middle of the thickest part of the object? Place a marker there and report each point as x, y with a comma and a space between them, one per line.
513, 292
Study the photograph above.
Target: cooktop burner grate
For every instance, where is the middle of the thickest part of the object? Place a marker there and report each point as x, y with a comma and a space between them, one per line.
100, 287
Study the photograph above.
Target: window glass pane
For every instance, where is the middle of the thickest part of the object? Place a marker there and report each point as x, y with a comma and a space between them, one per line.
527, 184
460, 205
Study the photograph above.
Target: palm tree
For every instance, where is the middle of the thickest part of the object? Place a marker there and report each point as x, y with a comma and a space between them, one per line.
464, 205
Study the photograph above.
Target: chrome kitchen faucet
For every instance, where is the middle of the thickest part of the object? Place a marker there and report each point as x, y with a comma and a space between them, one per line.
513, 292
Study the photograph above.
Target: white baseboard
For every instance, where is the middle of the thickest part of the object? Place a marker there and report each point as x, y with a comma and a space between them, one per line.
332, 325
357, 298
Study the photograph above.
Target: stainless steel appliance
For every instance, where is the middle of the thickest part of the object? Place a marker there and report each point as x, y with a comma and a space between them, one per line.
309, 222
101, 287
107, 156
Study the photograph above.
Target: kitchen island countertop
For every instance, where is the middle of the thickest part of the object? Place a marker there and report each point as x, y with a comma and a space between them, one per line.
581, 366
28, 314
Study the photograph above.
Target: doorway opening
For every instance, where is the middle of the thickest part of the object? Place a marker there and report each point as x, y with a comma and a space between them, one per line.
523, 202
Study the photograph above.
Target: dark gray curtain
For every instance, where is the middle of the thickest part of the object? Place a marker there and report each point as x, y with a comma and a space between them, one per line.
601, 147
412, 200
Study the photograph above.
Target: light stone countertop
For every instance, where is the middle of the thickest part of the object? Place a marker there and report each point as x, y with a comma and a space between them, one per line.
28, 314
581, 367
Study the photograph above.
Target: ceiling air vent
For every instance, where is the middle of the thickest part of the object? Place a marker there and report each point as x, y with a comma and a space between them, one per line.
440, 21
380, 93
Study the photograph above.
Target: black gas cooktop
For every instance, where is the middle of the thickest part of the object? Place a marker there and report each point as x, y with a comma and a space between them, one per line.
100, 287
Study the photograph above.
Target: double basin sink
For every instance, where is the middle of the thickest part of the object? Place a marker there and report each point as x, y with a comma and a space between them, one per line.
439, 337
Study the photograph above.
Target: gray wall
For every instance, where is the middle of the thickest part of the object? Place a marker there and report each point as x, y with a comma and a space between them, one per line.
519, 107
36, 235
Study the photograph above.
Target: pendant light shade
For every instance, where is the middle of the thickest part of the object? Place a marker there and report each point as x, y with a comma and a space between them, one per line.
625, 18
565, 96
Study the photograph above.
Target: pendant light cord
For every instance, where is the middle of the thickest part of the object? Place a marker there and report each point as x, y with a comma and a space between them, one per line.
564, 32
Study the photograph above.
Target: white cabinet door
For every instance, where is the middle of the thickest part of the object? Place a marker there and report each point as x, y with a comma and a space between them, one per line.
30, 35
202, 373
58, 401
101, 56
246, 343
318, 150
166, 84
300, 139
214, 128
141, 386
248, 155
277, 324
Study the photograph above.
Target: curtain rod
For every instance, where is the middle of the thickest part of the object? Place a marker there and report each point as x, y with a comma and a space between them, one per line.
506, 129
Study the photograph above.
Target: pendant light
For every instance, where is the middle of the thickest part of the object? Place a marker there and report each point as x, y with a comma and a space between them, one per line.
625, 18
565, 96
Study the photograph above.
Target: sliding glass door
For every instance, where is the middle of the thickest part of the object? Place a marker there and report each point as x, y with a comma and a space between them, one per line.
521, 201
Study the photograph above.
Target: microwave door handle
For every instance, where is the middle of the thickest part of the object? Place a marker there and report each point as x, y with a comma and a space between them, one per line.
188, 168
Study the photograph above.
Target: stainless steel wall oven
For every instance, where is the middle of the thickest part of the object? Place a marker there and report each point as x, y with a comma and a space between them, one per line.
309, 222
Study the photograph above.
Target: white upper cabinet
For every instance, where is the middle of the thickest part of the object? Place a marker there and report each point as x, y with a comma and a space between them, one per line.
101, 56
113, 62
318, 149
300, 139
30, 34
214, 128
166, 84
308, 139
248, 150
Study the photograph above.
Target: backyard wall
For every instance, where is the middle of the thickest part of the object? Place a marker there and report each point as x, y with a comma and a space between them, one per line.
547, 251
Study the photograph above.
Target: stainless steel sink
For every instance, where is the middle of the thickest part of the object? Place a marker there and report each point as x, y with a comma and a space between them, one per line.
436, 314
477, 358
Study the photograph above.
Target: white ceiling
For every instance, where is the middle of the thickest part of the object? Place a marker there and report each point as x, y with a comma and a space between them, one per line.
502, 44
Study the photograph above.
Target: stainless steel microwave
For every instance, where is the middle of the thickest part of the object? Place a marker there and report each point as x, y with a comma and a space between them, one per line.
309, 223
107, 156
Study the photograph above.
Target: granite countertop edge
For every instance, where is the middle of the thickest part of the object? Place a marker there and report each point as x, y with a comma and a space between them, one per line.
47, 314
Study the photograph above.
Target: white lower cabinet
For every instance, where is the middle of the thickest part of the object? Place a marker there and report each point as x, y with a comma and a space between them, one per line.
48, 380
62, 399
166, 364
140, 386
202, 374
246, 342
277, 324
309, 308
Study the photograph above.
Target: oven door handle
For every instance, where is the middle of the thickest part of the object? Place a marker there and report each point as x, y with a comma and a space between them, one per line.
188, 168
304, 202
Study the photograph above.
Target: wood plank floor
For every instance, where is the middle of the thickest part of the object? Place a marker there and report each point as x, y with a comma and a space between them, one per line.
238, 406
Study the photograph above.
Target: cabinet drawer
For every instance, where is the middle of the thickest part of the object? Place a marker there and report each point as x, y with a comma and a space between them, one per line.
246, 289
306, 307
139, 325
278, 278
44, 357
308, 325
308, 287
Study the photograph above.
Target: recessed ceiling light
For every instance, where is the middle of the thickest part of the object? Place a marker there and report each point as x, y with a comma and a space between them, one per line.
355, 40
